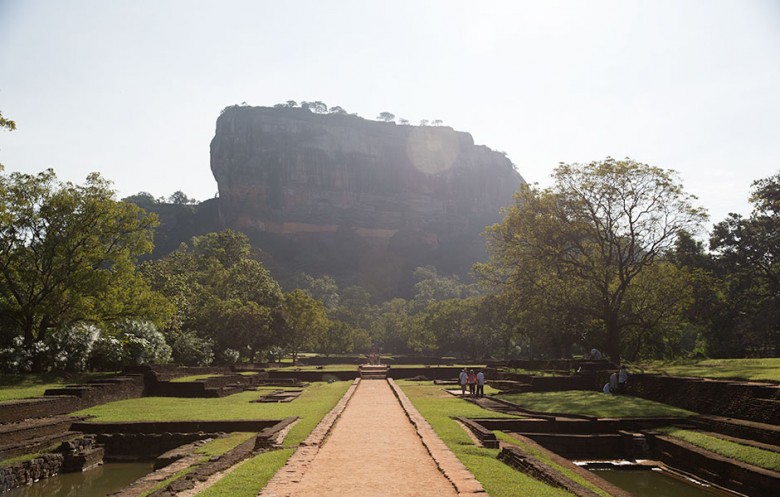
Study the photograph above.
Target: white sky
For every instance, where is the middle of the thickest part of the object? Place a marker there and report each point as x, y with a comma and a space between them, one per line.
133, 88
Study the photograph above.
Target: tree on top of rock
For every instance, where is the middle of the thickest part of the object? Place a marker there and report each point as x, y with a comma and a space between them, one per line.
386, 117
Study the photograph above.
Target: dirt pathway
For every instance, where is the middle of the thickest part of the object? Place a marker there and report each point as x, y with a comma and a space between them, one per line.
372, 450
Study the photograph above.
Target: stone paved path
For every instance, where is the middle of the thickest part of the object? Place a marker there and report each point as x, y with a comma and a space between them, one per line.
373, 450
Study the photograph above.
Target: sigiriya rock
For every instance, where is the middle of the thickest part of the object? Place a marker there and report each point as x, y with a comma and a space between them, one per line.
363, 201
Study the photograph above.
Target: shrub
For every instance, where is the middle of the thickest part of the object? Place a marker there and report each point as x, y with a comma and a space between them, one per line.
189, 349
69, 349
143, 344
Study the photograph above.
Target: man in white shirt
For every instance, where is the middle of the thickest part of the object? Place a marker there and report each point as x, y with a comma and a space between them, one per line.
480, 384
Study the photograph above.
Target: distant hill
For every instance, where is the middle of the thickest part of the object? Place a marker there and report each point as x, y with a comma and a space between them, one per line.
363, 201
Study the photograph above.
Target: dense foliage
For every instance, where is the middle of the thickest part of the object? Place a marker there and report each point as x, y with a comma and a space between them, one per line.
604, 258
67, 257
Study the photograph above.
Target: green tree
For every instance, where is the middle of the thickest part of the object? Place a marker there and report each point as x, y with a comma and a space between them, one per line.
386, 117
222, 293
7, 123
305, 319
68, 253
597, 228
748, 261
181, 198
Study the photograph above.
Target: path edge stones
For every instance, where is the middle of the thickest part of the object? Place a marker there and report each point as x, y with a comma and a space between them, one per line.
295, 467
466, 485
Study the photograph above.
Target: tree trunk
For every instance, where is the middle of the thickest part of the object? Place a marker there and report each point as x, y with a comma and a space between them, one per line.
613, 337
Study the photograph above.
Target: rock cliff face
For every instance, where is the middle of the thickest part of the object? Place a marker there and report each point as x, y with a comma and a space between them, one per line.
362, 200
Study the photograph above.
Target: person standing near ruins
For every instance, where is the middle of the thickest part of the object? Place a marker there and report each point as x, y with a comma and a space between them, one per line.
480, 383
622, 378
472, 379
613, 383
463, 378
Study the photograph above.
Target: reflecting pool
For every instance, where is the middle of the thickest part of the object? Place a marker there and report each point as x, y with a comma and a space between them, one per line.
655, 483
98, 482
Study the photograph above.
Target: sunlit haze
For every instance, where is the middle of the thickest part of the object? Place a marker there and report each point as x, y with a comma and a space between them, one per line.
133, 89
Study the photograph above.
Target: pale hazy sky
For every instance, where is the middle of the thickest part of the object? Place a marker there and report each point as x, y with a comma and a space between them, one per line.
133, 88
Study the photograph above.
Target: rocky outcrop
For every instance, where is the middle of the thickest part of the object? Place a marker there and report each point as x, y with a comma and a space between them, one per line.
366, 201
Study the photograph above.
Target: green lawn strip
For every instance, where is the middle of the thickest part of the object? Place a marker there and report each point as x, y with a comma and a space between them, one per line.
220, 446
541, 456
194, 377
214, 448
22, 386
747, 369
498, 479
752, 455
532, 372
168, 480
197, 377
593, 404
250, 476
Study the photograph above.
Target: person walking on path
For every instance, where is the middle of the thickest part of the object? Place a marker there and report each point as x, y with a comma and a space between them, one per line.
463, 378
480, 384
472, 379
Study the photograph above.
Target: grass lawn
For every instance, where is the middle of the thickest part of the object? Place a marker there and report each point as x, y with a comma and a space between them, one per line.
22, 386
498, 479
247, 480
747, 369
751, 455
593, 404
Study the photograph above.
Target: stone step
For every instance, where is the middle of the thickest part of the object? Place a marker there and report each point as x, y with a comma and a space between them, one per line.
11, 433
33, 445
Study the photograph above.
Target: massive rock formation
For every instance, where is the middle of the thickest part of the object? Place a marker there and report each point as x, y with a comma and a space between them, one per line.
362, 200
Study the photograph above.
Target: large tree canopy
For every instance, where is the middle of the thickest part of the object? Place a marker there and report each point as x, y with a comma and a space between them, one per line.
578, 246
67, 255
749, 265
222, 293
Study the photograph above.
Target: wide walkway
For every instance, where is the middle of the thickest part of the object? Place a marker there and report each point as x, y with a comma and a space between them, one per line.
372, 450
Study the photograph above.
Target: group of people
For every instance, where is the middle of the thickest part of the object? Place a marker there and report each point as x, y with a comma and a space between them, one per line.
474, 381
617, 381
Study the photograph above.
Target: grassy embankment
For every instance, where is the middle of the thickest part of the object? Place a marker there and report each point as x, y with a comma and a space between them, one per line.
751, 455
767, 369
593, 404
253, 474
22, 386
498, 479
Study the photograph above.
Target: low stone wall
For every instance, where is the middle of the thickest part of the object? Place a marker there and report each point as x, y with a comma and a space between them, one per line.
309, 376
72, 398
163, 427
534, 468
12, 411
577, 447
736, 399
749, 430
27, 472
216, 386
574, 427
486, 437
140, 446
361, 359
